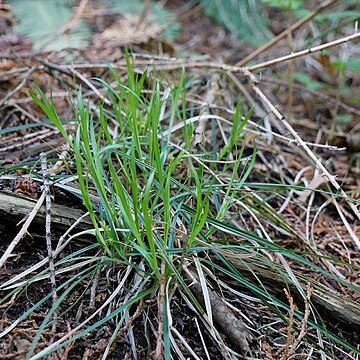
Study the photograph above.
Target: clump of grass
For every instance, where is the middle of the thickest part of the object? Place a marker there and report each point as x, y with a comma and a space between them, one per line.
161, 219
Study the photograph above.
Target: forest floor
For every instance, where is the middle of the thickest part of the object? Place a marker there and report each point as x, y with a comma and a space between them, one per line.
291, 288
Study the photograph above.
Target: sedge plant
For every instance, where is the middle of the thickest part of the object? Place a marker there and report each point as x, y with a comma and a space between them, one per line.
161, 215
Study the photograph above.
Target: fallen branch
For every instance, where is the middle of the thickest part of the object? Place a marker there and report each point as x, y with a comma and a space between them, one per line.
14, 208
303, 52
327, 301
232, 326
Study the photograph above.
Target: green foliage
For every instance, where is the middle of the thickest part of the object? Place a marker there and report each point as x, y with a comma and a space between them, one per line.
41, 21
355, 100
343, 66
248, 19
242, 17
285, 4
308, 81
236, 133
130, 185
353, 65
350, 15
47, 107
130, 190
300, 9
344, 118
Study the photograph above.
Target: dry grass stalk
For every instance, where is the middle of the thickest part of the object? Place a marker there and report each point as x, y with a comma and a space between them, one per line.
293, 342
306, 148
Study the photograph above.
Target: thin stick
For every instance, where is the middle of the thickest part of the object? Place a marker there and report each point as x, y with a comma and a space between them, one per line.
46, 191
286, 32
91, 86
159, 351
303, 52
213, 90
23, 230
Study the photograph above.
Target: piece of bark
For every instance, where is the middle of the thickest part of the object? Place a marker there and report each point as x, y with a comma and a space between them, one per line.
13, 208
330, 304
231, 325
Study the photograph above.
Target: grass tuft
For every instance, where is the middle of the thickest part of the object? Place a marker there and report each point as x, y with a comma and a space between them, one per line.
163, 219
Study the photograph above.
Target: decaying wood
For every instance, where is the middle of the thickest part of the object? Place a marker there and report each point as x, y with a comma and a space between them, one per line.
232, 326
327, 302
14, 208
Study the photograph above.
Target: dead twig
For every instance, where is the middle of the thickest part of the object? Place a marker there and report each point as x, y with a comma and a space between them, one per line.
23, 230
31, 138
46, 191
210, 96
303, 52
232, 326
144, 13
286, 32
173, 64
159, 353
70, 71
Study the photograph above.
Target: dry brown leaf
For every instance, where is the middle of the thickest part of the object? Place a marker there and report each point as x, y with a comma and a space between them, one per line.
313, 185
